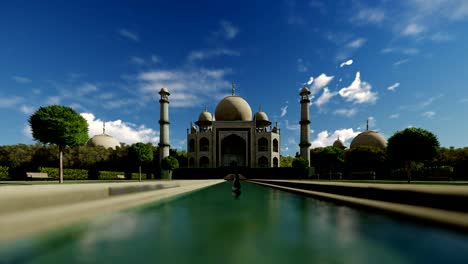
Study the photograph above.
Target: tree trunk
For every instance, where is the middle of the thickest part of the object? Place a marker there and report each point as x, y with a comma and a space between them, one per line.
408, 170
139, 168
61, 164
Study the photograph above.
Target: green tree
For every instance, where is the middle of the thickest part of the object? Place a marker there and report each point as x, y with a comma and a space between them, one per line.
169, 163
59, 125
140, 153
365, 159
286, 161
327, 160
412, 145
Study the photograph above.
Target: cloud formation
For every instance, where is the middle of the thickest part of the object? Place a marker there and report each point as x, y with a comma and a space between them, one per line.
129, 35
428, 114
188, 87
21, 79
357, 43
346, 63
358, 92
319, 82
208, 54
229, 31
325, 139
325, 97
284, 110
369, 16
125, 132
346, 112
412, 29
393, 86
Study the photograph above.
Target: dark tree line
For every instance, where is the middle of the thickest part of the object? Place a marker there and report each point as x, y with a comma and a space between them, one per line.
22, 158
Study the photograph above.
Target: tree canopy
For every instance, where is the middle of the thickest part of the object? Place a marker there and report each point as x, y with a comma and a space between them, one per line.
300, 163
412, 144
60, 125
169, 163
140, 153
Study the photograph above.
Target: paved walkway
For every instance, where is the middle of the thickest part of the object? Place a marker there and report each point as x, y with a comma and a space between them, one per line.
27, 210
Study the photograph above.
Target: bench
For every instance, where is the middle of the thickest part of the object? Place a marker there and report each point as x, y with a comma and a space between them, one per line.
37, 175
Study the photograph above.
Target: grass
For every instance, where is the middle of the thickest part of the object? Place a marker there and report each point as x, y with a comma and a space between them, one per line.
43, 182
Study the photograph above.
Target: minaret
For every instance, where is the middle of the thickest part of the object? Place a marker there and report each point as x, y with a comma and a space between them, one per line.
164, 124
305, 124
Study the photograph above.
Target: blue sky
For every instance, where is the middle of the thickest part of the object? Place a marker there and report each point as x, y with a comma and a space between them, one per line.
396, 63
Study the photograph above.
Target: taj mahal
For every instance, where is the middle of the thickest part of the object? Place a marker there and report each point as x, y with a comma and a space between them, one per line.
233, 137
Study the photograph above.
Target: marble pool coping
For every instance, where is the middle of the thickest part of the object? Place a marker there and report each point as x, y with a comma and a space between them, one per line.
444, 205
31, 209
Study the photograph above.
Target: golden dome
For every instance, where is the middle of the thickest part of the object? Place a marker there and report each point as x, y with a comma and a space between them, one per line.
369, 139
103, 140
261, 116
205, 116
233, 108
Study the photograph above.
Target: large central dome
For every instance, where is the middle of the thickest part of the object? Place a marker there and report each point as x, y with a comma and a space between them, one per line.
233, 108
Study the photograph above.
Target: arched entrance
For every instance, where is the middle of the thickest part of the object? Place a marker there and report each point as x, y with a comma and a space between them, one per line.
233, 151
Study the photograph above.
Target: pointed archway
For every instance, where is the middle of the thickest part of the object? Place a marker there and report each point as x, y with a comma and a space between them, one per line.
233, 151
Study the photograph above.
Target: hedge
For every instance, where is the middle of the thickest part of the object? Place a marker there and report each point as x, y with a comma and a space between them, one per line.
4, 173
68, 174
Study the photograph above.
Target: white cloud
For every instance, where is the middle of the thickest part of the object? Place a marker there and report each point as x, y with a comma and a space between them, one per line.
25, 109
403, 61
27, 132
394, 116
357, 43
21, 79
319, 82
325, 139
325, 97
294, 127
155, 59
208, 54
412, 29
301, 65
441, 37
86, 88
346, 112
393, 86
451, 9
229, 31
137, 60
428, 114
53, 100
346, 63
188, 87
310, 81
9, 102
125, 132
359, 92
129, 35
369, 16
284, 110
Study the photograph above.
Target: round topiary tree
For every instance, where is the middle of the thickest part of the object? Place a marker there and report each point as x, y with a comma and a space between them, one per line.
59, 125
140, 153
412, 144
169, 164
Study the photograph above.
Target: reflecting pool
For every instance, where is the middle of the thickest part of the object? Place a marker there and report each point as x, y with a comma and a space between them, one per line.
261, 225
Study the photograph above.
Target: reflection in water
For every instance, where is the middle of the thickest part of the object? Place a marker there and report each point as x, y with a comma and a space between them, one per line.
236, 186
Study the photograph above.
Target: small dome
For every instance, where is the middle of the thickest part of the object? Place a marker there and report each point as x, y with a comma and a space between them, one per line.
304, 90
369, 139
164, 90
233, 108
103, 140
339, 144
261, 116
205, 116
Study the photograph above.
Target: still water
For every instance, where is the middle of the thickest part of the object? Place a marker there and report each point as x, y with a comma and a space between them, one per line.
261, 225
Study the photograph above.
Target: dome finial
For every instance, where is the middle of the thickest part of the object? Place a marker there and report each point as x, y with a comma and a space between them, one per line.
367, 124
260, 107
206, 108
104, 127
233, 88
